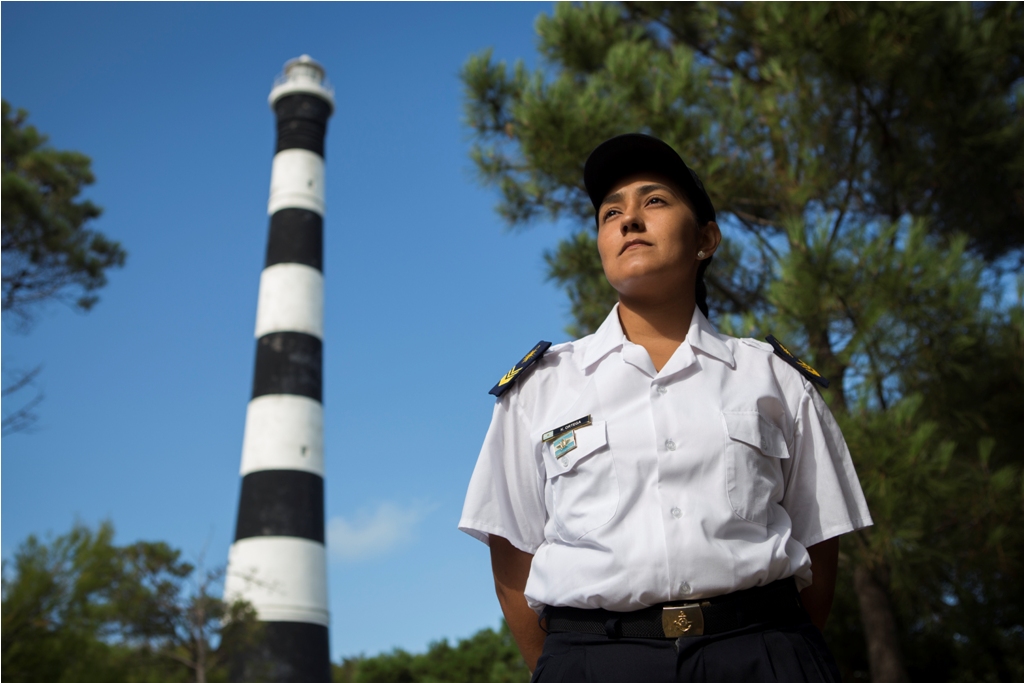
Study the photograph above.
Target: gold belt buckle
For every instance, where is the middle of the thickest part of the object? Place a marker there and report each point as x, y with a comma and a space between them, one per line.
682, 620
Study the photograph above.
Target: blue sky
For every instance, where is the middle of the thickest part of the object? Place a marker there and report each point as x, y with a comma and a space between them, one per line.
428, 298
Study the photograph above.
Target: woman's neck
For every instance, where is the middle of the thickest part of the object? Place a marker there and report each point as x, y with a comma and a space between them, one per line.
658, 326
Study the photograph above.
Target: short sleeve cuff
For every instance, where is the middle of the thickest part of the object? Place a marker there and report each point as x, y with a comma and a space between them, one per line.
835, 530
482, 532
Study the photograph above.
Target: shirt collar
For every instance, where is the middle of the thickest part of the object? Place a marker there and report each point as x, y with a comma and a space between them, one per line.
701, 335
609, 337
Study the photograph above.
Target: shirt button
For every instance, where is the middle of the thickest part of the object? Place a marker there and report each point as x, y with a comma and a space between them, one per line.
565, 463
684, 588
677, 513
764, 445
662, 389
670, 444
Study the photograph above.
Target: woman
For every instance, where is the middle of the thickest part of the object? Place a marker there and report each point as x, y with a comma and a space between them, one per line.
666, 498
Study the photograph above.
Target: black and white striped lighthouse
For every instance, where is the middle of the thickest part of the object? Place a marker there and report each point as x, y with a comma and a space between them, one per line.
278, 561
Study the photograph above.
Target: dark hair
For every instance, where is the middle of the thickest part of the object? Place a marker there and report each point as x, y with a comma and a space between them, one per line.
702, 288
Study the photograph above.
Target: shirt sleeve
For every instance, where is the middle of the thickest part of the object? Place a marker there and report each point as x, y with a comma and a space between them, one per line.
506, 492
823, 495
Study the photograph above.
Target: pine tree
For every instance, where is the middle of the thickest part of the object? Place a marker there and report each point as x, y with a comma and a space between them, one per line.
49, 253
867, 165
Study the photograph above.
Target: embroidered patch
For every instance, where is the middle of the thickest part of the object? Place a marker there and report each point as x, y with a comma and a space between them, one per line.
510, 377
565, 444
805, 369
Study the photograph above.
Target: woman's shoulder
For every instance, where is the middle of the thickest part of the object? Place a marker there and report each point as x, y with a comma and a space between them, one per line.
775, 360
555, 374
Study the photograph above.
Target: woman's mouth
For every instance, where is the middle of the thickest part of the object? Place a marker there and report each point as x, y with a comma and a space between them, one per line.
633, 244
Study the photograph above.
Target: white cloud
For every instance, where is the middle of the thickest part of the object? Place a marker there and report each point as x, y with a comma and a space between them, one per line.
370, 534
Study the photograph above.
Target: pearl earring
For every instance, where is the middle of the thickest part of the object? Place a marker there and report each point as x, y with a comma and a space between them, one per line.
700, 254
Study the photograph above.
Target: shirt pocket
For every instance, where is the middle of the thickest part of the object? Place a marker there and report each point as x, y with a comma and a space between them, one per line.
584, 486
754, 450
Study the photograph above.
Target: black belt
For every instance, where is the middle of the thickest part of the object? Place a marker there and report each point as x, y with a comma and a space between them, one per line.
778, 601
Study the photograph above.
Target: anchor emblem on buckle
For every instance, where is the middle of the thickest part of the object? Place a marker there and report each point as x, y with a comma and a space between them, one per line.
682, 620
681, 623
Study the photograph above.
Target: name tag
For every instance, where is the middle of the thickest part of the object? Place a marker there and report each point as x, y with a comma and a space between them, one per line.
575, 424
564, 437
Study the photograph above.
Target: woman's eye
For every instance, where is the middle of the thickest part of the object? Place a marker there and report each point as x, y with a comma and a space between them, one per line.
610, 213
656, 199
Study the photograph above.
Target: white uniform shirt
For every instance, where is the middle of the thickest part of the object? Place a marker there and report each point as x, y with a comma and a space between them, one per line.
711, 476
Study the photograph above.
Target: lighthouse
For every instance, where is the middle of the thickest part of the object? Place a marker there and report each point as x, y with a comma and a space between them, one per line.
278, 561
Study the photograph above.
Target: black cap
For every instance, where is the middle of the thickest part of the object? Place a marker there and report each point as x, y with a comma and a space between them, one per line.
625, 155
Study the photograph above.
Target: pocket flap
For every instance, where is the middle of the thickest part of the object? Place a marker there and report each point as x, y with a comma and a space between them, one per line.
757, 431
588, 440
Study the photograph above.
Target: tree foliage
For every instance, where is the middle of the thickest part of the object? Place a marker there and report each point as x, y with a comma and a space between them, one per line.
867, 110
866, 164
49, 252
486, 657
55, 610
81, 609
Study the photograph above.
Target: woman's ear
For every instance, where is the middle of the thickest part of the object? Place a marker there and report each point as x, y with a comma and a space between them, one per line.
708, 238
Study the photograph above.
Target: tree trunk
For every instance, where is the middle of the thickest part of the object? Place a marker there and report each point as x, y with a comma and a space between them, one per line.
876, 615
199, 614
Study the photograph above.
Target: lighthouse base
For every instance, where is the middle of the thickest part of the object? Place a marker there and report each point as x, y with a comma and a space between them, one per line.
288, 652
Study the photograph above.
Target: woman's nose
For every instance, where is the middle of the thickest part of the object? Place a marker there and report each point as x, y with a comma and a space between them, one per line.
631, 224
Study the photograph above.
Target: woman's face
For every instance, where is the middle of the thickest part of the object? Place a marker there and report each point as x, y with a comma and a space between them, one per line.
648, 238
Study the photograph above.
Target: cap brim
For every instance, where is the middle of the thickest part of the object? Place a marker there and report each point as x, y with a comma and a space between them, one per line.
633, 153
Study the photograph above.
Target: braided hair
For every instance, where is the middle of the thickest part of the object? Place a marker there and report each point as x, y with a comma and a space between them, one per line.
702, 288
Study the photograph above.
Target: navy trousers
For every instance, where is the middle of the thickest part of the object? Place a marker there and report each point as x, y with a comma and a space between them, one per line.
762, 653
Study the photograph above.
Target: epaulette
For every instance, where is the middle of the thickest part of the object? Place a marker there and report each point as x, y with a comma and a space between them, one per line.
805, 369
506, 382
